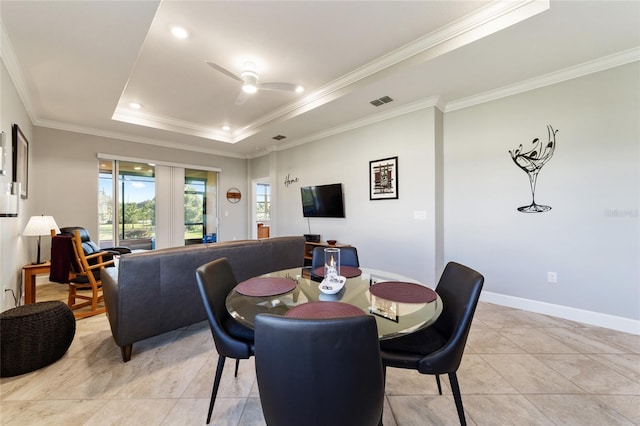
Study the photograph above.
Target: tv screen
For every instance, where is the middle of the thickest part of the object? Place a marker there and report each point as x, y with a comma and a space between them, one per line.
322, 201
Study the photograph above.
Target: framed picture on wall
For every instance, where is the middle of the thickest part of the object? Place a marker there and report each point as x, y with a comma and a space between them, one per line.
21, 161
383, 179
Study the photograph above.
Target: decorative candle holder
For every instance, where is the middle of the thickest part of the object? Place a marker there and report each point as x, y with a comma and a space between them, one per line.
9, 194
331, 262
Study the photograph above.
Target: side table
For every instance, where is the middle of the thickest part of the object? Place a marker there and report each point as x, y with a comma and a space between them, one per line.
30, 272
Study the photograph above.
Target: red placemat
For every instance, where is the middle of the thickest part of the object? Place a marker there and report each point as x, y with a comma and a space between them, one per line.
265, 286
321, 310
345, 271
397, 291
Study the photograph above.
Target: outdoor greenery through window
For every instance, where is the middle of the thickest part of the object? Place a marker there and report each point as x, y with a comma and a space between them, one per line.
195, 207
263, 200
127, 204
135, 207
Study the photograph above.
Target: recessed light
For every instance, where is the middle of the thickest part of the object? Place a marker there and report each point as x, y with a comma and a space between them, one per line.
179, 32
226, 128
135, 105
299, 89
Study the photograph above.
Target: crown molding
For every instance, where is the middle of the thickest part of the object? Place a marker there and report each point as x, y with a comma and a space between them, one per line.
590, 67
433, 101
157, 121
487, 20
126, 137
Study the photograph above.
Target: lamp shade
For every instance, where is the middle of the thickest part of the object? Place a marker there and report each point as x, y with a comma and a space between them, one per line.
40, 225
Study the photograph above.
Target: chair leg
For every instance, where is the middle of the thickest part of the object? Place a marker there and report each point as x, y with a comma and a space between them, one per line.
453, 379
216, 384
94, 299
235, 374
72, 296
384, 383
439, 385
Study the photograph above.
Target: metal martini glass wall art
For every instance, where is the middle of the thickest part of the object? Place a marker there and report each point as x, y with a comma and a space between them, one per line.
531, 162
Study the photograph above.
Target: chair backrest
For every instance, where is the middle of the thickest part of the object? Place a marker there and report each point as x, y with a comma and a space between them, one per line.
215, 281
88, 246
319, 372
63, 258
459, 288
86, 266
348, 257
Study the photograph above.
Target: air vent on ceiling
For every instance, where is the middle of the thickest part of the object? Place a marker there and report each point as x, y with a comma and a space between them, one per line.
279, 137
381, 101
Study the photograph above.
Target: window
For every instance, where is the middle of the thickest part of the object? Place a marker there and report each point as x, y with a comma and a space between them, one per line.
134, 200
200, 206
195, 209
263, 201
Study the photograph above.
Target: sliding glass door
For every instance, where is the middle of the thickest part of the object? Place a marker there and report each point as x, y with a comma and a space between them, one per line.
200, 206
144, 206
127, 204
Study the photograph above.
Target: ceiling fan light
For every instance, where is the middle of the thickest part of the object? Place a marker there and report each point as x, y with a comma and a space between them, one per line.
249, 88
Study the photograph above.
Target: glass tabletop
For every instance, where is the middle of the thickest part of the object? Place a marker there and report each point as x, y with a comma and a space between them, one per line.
393, 318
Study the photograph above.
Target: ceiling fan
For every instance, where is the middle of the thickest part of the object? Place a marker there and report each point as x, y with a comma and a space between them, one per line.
249, 79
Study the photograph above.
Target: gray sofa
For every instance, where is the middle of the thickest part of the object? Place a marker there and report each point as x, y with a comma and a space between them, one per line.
153, 292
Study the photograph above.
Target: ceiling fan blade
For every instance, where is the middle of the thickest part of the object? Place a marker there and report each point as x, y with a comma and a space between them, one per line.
223, 71
242, 97
288, 87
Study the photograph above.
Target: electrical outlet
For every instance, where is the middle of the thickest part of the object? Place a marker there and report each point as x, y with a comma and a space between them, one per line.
552, 277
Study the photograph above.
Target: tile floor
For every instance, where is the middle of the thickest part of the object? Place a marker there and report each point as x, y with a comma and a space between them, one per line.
519, 368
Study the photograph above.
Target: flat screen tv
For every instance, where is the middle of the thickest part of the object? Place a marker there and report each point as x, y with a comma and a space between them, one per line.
322, 201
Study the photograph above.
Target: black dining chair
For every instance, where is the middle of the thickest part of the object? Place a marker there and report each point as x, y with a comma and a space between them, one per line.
319, 372
438, 349
348, 257
232, 339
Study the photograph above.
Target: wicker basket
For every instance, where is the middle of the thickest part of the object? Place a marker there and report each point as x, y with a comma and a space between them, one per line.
34, 336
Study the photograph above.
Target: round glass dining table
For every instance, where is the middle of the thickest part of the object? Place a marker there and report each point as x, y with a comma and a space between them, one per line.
393, 318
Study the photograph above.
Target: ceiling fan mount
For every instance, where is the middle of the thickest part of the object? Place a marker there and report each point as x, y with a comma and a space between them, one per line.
249, 80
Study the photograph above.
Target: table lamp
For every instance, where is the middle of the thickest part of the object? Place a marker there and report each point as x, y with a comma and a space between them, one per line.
39, 226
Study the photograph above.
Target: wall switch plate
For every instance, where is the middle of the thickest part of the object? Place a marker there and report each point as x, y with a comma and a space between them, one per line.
552, 277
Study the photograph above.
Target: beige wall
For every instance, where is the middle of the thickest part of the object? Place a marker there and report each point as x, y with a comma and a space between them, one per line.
385, 232
15, 250
591, 236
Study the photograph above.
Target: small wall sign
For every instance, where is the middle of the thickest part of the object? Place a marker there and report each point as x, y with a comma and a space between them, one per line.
234, 195
288, 181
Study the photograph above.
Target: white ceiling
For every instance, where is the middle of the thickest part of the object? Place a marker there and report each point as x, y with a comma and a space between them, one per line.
78, 65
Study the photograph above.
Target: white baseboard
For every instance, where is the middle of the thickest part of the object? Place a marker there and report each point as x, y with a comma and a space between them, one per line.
587, 317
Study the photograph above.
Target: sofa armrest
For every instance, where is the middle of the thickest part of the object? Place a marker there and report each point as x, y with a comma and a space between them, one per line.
109, 278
